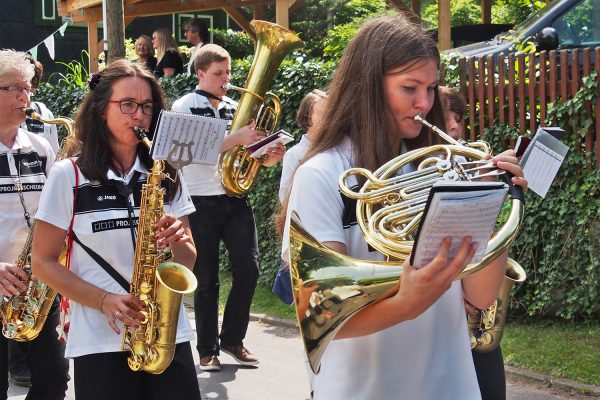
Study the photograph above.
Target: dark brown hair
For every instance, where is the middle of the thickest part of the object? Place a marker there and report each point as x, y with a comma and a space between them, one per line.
357, 107
306, 106
452, 100
92, 137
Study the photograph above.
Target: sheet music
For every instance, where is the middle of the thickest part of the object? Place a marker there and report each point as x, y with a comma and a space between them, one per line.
541, 167
259, 148
457, 213
182, 137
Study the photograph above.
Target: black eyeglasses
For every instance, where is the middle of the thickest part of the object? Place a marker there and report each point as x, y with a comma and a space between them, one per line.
131, 107
17, 90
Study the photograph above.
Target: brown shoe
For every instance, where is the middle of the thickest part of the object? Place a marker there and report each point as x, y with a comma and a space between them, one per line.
210, 363
240, 354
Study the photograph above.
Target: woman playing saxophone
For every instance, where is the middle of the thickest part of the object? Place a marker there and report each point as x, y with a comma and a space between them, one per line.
25, 159
110, 169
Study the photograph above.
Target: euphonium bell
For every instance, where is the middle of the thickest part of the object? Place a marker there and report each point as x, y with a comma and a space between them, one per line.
329, 288
238, 169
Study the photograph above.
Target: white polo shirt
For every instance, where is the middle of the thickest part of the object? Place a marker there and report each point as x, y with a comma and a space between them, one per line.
204, 180
29, 160
426, 358
101, 223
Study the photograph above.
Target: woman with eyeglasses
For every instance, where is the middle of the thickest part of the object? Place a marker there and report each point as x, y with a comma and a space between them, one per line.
108, 160
25, 160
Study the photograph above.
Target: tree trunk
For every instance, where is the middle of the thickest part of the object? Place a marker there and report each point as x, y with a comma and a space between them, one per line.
115, 26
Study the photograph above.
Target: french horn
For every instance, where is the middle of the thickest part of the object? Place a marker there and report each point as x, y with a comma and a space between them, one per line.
329, 288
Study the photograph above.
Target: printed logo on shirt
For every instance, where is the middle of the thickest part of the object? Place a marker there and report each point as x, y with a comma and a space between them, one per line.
27, 187
112, 224
34, 126
106, 197
32, 164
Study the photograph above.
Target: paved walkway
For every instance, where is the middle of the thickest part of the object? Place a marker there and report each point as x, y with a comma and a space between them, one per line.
282, 372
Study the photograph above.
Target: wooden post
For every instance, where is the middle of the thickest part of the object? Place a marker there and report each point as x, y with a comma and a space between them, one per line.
258, 11
282, 8
115, 25
486, 12
93, 48
444, 39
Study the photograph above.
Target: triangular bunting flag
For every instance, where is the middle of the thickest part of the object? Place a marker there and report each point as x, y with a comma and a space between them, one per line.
49, 42
63, 28
33, 52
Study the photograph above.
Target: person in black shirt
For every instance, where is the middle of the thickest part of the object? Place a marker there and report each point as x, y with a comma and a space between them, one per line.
169, 59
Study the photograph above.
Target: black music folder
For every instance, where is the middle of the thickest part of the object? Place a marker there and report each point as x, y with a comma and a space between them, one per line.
458, 209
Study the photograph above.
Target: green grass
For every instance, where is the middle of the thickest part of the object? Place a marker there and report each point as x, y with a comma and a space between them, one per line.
562, 350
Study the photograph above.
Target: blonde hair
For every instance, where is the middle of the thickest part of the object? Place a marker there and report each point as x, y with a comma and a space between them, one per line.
165, 42
12, 61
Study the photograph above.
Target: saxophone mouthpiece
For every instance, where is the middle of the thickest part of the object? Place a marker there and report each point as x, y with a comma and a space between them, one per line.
28, 111
140, 132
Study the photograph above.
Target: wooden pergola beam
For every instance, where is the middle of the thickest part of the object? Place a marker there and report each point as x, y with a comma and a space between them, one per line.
241, 20
444, 38
75, 5
282, 13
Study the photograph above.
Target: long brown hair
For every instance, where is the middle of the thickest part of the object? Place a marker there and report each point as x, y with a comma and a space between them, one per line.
357, 103
92, 136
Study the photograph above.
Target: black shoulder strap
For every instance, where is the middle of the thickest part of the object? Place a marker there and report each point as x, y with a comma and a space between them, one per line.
103, 263
124, 191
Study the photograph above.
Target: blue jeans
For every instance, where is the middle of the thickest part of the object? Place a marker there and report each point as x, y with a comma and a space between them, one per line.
282, 286
231, 220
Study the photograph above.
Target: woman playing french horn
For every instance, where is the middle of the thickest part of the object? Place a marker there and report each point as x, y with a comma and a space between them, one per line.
414, 343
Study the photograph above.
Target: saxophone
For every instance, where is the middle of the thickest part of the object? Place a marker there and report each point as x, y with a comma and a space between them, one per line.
487, 326
159, 283
23, 316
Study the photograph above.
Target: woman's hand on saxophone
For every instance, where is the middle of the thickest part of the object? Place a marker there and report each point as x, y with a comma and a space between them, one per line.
12, 280
124, 308
170, 230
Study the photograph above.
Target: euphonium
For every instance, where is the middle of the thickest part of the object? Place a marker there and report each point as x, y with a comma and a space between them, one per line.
273, 42
159, 283
23, 317
329, 287
487, 326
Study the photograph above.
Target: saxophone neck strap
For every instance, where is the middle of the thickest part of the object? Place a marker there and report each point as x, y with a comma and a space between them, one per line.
125, 190
103, 263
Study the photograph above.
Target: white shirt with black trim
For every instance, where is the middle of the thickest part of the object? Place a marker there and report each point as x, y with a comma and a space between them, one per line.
29, 160
204, 180
101, 223
424, 358
47, 131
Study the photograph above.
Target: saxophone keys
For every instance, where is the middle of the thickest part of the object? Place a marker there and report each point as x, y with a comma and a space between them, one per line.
9, 330
32, 304
28, 320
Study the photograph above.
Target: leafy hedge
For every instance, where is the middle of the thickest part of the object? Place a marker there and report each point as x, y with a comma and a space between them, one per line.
558, 242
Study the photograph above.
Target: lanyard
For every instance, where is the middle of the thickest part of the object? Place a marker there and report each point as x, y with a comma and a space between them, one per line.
19, 185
